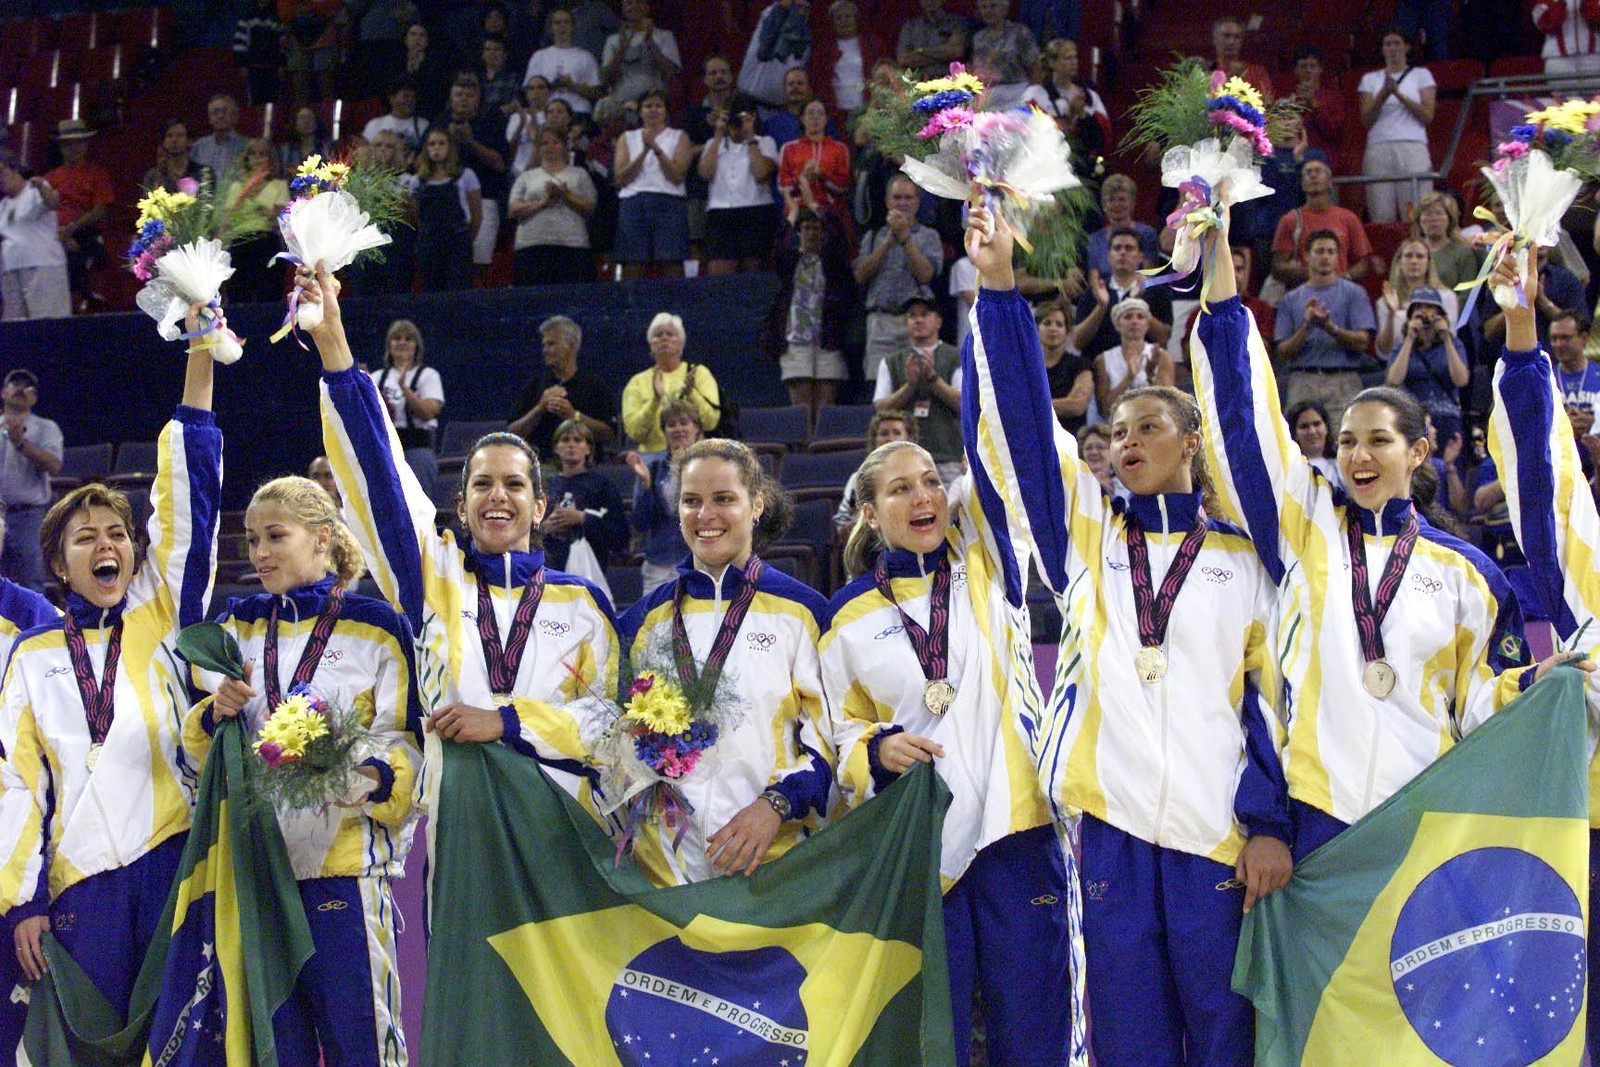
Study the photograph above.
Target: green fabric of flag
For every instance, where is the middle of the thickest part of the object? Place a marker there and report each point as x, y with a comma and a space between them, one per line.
226, 954
1447, 926
545, 951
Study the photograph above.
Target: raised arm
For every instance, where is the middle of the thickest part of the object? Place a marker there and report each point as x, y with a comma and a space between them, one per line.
1030, 485
386, 507
185, 502
1254, 461
26, 791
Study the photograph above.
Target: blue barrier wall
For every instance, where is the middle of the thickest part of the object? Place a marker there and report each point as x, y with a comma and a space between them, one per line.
111, 378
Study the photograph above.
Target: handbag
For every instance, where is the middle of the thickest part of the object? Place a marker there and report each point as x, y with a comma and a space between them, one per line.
582, 561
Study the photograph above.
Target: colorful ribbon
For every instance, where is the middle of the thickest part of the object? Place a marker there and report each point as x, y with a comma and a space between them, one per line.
1504, 245
1194, 214
211, 328
289, 324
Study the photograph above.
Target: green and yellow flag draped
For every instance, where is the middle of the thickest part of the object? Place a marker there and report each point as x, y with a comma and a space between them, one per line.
224, 958
1448, 925
544, 951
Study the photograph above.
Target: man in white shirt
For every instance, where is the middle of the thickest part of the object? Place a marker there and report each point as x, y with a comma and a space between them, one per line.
222, 147
33, 263
402, 118
30, 452
573, 72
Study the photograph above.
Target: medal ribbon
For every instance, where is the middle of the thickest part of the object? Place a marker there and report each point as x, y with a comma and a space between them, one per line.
932, 644
98, 700
726, 631
1155, 608
504, 660
1370, 615
310, 656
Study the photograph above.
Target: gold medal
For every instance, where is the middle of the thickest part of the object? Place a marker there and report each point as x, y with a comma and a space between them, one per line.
937, 696
92, 758
500, 699
1377, 678
1150, 664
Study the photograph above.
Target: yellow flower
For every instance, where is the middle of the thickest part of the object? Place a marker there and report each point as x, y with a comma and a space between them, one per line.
333, 173
963, 81
292, 727
1242, 91
1570, 116
662, 708
308, 169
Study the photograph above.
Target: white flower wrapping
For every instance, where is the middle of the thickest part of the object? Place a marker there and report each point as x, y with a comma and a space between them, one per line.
1026, 158
1535, 193
188, 274
1232, 176
331, 228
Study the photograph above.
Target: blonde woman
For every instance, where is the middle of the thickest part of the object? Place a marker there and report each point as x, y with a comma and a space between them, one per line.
1412, 269
250, 206
308, 629
1437, 220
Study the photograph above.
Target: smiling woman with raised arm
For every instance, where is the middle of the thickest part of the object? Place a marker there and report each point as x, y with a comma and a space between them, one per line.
309, 629
93, 707
1396, 638
1161, 728
501, 637
728, 612
1557, 525
909, 667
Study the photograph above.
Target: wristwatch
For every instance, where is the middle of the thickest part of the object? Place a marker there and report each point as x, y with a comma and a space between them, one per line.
779, 802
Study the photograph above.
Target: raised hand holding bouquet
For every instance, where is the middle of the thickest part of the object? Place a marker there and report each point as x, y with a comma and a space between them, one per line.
1537, 175
663, 732
1016, 159
1212, 132
182, 264
336, 214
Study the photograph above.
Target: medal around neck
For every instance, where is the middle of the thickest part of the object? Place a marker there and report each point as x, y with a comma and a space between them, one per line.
938, 695
93, 758
1377, 678
1150, 663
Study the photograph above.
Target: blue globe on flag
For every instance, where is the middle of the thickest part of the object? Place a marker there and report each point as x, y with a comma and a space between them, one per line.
677, 1005
1488, 959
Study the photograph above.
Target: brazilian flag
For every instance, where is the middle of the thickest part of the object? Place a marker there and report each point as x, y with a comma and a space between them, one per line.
546, 951
1447, 926
225, 955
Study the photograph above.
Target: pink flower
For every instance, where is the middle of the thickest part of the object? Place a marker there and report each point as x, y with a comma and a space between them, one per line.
1510, 150
942, 122
641, 685
678, 764
271, 753
188, 185
1218, 79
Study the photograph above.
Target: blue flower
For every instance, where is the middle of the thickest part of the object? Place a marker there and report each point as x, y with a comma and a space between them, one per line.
1557, 138
1525, 134
939, 101
1238, 107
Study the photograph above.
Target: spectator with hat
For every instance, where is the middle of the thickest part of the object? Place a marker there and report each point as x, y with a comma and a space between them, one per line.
86, 193
30, 452
1136, 362
33, 265
1429, 364
924, 378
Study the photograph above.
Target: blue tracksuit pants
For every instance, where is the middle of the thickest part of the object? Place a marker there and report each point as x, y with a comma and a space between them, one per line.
345, 1008
107, 921
1160, 928
1005, 929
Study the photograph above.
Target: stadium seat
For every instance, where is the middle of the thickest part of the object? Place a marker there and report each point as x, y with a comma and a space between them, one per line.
136, 463
81, 464
1455, 75
100, 65
789, 426
1516, 66
808, 475
841, 427
462, 434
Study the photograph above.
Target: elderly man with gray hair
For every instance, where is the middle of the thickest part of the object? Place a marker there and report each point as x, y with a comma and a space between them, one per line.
560, 391
669, 379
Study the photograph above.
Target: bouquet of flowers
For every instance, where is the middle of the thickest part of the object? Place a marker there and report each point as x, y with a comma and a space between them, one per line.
309, 751
1018, 157
1537, 175
181, 263
1211, 130
663, 732
336, 214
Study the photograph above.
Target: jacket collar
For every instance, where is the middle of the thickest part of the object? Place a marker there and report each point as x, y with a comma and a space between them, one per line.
904, 563
1180, 510
91, 616
492, 569
304, 601
1392, 515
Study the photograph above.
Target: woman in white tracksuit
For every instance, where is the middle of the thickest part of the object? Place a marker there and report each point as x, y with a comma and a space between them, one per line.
1162, 729
926, 658
498, 632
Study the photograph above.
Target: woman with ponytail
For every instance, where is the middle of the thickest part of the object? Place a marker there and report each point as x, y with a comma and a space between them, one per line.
909, 668
310, 629
1396, 638
503, 640
728, 612
1161, 729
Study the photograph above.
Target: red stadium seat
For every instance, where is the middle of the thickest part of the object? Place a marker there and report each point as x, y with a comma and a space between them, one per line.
1385, 238
101, 64
1455, 75
1516, 66
22, 37
42, 70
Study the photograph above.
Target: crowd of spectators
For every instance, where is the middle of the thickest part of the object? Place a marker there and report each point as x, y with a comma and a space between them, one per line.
547, 135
